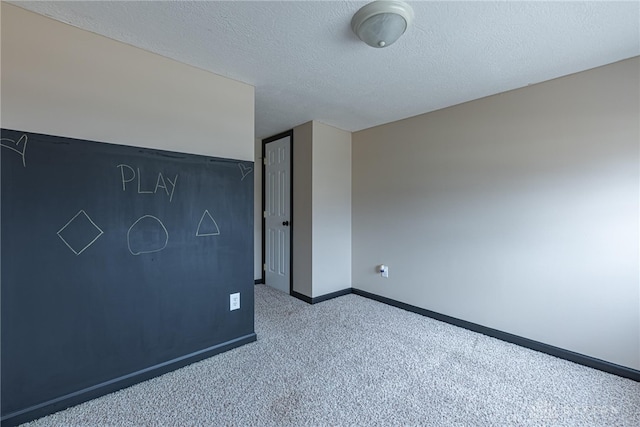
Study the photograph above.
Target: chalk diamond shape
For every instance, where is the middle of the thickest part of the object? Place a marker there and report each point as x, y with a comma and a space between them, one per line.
80, 232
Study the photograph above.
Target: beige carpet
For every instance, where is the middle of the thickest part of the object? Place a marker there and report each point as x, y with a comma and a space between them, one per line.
351, 361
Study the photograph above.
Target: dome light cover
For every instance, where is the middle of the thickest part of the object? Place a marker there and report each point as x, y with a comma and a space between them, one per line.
381, 23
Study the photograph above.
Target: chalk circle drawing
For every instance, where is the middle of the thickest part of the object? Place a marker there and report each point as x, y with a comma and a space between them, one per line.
244, 170
80, 232
19, 147
207, 225
147, 235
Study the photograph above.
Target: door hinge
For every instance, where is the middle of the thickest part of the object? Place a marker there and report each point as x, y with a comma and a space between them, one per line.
264, 160
264, 214
264, 267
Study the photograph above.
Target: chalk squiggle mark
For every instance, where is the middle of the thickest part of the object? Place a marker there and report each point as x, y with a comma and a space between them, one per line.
244, 170
19, 147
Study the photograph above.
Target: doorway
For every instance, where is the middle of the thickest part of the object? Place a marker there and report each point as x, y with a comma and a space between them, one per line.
277, 217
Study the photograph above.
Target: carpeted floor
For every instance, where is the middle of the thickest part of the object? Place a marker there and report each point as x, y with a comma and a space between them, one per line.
351, 361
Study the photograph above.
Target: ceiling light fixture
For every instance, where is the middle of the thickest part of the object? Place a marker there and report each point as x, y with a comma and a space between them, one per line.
381, 23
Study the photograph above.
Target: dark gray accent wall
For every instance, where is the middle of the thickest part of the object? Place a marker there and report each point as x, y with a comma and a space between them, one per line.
116, 260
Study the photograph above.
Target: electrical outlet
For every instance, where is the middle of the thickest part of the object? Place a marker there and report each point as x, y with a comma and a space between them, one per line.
383, 270
234, 301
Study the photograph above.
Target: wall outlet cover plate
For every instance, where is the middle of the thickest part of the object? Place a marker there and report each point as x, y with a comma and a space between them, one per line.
234, 301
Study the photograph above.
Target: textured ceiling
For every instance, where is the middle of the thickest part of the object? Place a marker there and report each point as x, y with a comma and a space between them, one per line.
306, 64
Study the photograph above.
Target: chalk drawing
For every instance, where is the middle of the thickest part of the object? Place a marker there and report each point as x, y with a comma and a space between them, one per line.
161, 181
149, 235
164, 184
210, 226
175, 180
142, 191
244, 170
124, 180
81, 232
19, 147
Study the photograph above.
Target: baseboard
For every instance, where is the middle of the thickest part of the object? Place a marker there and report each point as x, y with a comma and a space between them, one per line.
331, 295
258, 282
63, 402
302, 297
321, 298
561, 353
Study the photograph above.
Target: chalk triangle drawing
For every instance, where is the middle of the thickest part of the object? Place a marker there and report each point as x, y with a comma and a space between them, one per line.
207, 225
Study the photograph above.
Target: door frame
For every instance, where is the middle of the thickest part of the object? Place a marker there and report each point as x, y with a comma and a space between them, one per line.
265, 141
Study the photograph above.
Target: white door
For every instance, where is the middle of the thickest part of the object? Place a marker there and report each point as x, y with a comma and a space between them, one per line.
277, 213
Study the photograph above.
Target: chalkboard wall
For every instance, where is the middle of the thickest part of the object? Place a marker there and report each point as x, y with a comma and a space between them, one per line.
117, 264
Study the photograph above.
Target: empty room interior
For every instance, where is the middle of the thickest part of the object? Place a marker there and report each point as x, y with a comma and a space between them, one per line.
281, 213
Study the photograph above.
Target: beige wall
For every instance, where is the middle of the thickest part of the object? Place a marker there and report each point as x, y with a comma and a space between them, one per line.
331, 209
302, 222
518, 212
60, 80
321, 209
